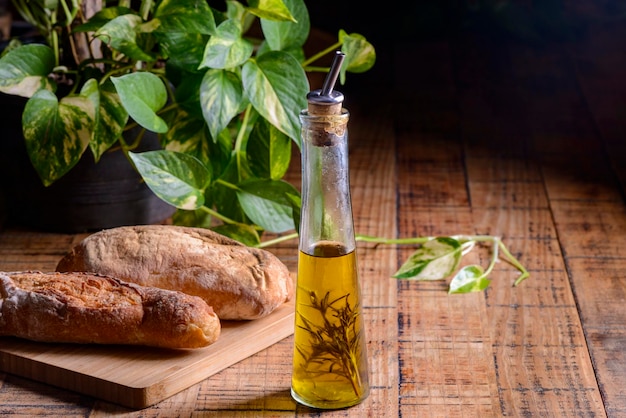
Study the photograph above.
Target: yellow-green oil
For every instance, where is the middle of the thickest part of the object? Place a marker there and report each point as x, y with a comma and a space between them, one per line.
330, 358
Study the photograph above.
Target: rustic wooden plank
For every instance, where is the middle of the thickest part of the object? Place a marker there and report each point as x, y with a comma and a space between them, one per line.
482, 168
31, 250
445, 353
542, 368
608, 351
591, 228
22, 397
603, 284
565, 142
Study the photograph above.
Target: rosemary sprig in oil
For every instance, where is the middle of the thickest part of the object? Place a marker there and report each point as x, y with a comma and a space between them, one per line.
335, 342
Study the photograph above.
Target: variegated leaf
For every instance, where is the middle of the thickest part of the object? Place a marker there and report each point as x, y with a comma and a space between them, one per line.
221, 96
469, 279
276, 85
185, 16
270, 9
436, 259
177, 178
25, 70
283, 35
227, 49
360, 54
111, 118
121, 35
56, 133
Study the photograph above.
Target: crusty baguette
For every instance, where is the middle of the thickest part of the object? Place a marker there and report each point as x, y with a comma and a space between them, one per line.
89, 308
239, 282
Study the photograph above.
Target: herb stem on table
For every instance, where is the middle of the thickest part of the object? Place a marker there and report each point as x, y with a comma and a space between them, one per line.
438, 258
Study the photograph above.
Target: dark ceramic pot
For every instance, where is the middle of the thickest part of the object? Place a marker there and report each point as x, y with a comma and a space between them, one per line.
90, 197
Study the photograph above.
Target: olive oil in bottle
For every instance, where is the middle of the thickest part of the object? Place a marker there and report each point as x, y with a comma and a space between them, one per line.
330, 368
330, 364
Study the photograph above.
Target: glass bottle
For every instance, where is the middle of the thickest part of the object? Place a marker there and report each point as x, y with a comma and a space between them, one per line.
330, 365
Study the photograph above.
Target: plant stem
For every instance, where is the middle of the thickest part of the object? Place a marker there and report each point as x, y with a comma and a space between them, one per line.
498, 245
312, 69
122, 70
223, 218
227, 184
277, 240
54, 38
494, 256
320, 54
515, 262
240, 136
379, 240
144, 9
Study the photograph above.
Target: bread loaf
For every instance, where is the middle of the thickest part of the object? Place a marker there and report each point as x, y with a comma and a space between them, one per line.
238, 281
88, 308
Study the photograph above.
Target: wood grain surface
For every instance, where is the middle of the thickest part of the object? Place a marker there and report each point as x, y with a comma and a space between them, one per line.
473, 133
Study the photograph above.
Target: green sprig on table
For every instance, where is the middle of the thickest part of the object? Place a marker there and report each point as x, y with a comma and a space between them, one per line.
438, 258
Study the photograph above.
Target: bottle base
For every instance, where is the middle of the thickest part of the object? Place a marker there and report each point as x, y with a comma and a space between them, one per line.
322, 404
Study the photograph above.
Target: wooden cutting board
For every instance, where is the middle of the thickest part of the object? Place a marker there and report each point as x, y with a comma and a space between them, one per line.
137, 377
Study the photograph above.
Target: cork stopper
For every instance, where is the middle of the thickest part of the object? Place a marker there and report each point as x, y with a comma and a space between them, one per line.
325, 101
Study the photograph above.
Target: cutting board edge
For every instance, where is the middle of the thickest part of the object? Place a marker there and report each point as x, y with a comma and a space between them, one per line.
154, 393
22, 366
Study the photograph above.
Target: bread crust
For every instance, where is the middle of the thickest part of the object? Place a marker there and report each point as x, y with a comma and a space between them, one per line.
238, 281
90, 308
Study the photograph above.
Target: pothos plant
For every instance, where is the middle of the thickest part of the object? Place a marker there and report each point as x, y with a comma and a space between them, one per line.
223, 90
222, 86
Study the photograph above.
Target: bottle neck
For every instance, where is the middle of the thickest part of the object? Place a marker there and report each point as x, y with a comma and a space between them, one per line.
326, 215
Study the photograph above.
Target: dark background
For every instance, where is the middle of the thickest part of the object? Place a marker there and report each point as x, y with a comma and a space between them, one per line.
395, 28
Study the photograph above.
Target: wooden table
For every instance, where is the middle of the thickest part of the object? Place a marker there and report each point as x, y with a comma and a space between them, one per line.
468, 135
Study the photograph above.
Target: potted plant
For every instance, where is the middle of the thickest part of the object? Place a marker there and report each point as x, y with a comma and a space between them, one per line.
222, 89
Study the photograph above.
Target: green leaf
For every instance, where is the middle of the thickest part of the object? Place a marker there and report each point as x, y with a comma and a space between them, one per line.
227, 49
185, 16
268, 151
276, 85
188, 134
225, 196
56, 133
110, 120
267, 204
236, 10
246, 234
142, 94
25, 70
282, 35
221, 96
360, 54
187, 93
296, 206
121, 35
183, 50
198, 218
177, 178
103, 17
270, 9
434, 260
469, 279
